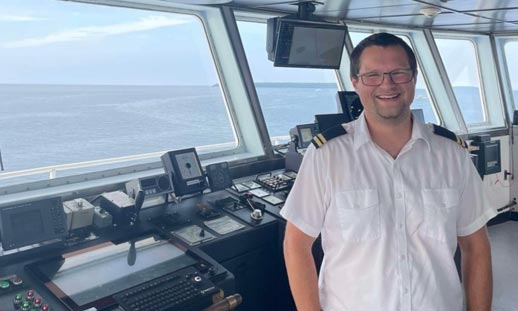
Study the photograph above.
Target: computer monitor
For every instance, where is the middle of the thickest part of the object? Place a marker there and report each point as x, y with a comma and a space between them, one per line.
303, 43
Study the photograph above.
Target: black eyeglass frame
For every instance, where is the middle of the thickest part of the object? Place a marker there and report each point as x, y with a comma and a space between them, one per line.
391, 74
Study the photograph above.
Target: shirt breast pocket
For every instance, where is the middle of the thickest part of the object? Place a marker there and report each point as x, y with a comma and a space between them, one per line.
359, 214
439, 213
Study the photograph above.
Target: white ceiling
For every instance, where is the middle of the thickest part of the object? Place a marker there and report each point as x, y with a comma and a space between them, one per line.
468, 15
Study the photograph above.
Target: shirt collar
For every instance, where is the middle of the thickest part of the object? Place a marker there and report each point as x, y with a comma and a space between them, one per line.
361, 132
362, 135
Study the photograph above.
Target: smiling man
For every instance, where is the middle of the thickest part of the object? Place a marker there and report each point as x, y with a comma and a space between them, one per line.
391, 198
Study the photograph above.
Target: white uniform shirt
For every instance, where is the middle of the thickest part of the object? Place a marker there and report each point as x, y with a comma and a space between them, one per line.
389, 227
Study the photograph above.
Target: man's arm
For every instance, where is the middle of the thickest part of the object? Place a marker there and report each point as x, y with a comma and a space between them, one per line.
300, 265
477, 276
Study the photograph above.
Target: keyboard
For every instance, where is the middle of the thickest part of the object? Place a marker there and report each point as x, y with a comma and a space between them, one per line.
183, 290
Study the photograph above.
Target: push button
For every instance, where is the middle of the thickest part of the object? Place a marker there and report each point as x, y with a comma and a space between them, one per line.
26, 306
5, 284
30, 295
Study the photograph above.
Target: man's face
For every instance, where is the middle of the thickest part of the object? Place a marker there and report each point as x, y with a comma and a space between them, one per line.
388, 101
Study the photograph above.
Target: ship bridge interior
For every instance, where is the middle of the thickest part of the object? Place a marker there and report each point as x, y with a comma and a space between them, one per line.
153, 143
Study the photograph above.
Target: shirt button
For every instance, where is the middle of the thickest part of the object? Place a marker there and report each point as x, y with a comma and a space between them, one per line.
398, 195
400, 226
403, 257
405, 290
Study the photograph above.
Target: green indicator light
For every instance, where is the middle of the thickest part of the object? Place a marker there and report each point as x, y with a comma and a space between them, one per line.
4, 284
18, 297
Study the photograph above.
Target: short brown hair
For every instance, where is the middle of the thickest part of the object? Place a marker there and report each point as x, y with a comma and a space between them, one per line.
379, 39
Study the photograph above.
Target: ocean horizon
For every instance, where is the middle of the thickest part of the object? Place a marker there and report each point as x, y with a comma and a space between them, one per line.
45, 125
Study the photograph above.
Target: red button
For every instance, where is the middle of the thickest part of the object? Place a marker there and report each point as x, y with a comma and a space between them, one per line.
37, 302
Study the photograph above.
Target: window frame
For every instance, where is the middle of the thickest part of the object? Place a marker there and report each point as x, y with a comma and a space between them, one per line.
250, 145
488, 77
507, 89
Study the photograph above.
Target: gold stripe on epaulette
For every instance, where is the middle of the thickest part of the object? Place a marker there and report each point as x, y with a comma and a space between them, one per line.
461, 142
317, 141
322, 138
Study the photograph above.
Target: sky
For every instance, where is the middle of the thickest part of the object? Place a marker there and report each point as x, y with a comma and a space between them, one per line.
62, 42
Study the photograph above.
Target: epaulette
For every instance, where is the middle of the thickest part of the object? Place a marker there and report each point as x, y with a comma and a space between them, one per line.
441, 131
320, 139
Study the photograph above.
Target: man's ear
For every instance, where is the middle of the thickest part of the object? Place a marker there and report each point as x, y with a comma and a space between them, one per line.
355, 81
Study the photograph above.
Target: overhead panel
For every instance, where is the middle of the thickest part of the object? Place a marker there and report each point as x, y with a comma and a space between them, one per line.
468, 15
509, 15
484, 28
386, 11
472, 5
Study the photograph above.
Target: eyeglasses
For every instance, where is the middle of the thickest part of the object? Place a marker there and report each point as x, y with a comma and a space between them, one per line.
375, 78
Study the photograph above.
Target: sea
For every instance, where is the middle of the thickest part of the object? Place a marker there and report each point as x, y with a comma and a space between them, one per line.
45, 125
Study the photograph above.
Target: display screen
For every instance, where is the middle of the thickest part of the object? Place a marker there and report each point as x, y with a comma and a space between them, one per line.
315, 46
32, 222
307, 135
147, 182
27, 223
309, 44
80, 280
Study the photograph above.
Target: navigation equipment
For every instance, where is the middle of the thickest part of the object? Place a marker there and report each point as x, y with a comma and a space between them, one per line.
304, 43
350, 103
302, 134
185, 172
160, 266
32, 222
219, 176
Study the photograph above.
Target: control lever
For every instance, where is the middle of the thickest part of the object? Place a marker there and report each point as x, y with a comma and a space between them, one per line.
132, 254
228, 303
139, 201
257, 213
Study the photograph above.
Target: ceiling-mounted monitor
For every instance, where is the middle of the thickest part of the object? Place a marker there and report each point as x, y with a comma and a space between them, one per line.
305, 43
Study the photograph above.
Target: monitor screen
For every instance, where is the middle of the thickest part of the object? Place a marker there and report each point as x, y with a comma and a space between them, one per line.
305, 133
32, 222
307, 44
88, 278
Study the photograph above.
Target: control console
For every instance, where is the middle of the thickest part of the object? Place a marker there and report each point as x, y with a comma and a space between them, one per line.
186, 289
15, 295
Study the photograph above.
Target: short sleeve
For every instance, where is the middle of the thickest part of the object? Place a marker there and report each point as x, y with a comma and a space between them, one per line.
306, 204
475, 210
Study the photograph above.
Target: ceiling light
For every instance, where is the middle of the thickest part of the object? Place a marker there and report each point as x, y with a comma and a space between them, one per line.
430, 11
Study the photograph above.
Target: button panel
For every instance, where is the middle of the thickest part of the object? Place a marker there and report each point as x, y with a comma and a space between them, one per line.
14, 295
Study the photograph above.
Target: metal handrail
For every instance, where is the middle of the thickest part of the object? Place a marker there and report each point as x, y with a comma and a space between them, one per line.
53, 169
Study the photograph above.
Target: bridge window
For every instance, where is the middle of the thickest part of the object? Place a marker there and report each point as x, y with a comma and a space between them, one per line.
422, 95
511, 58
288, 96
464, 77
87, 82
